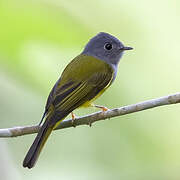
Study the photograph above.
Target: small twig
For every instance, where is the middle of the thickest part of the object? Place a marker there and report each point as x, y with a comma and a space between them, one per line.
86, 120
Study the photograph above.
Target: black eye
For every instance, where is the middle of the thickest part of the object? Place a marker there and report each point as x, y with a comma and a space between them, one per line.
108, 46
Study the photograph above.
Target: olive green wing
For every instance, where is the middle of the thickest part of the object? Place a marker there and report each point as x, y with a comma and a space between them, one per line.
81, 92
80, 82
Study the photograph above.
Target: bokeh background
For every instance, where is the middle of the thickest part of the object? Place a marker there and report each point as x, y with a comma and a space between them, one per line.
38, 38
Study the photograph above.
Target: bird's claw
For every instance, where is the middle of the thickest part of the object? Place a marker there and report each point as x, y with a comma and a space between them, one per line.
73, 119
103, 108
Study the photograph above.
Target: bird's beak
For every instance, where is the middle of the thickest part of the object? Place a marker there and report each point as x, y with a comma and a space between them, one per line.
126, 48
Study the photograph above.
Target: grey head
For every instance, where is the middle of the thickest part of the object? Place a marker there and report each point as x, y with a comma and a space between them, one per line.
105, 47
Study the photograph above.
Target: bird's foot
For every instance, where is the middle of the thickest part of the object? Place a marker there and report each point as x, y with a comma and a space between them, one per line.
73, 119
103, 108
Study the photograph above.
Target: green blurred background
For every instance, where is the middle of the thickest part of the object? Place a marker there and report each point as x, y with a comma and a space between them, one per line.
39, 38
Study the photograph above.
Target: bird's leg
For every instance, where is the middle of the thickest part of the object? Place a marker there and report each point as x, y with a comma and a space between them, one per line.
103, 108
73, 119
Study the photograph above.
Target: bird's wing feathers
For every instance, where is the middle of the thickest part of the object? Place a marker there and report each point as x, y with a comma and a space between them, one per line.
79, 93
81, 81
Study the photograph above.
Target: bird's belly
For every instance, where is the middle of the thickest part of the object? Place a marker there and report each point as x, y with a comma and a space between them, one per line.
90, 102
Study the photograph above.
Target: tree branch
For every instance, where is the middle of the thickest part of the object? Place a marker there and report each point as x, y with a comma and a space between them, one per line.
89, 119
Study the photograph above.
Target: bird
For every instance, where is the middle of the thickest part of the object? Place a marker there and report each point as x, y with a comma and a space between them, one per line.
83, 80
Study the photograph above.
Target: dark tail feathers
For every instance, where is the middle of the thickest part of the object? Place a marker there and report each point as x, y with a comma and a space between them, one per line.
37, 145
